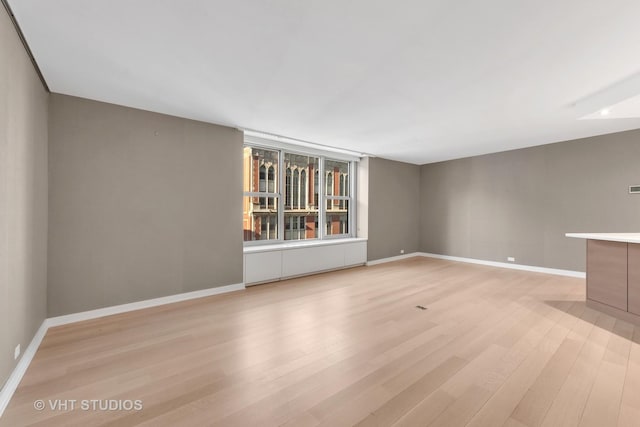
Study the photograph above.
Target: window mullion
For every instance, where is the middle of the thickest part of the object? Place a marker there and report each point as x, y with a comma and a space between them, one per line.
281, 192
321, 199
352, 193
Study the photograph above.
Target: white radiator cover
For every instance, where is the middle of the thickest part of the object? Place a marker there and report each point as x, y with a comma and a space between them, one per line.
275, 262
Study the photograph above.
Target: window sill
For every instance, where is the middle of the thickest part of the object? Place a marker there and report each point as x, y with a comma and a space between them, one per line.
297, 244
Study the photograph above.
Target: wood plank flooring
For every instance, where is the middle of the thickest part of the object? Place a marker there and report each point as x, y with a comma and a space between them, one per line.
495, 347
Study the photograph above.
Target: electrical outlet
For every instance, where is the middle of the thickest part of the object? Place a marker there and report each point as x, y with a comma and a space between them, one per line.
16, 352
511, 259
401, 251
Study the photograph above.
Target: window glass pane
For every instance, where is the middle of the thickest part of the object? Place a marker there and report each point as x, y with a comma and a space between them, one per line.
262, 179
260, 170
271, 179
336, 205
304, 190
301, 227
260, 218
287, 192
296, 189
300, 182
337, 176
337, 217
315, 184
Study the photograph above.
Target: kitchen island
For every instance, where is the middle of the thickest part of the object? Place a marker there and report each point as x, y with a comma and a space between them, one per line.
613, 273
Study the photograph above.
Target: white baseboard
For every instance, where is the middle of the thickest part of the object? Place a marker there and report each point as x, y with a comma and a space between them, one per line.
117, 309
16, 376
546, 270
393, 258
533, 268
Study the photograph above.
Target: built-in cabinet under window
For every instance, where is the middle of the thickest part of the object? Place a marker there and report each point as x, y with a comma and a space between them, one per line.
266, 264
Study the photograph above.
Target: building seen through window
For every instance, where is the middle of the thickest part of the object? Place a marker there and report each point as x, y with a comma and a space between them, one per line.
299, 211
337, 210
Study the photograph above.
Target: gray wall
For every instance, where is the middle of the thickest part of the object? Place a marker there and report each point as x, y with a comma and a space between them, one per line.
521, 203
142, 205
23, 198
394, 208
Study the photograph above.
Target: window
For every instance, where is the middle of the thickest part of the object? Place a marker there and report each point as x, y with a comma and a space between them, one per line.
316, 182
281, 197
337, 197
287, 183
300, 216
260, 213
296, 189
271, 184
295, 227
303, 190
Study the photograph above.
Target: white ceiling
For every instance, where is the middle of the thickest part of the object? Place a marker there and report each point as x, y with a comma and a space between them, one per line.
413, 80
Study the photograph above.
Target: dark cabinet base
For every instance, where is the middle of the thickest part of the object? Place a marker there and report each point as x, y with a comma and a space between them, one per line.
633, 277
613, 278
607, 273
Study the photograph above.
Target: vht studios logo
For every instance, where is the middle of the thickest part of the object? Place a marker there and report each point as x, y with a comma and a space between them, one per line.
88, 405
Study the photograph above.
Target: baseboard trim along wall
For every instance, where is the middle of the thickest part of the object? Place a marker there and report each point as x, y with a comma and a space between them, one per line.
546, 270
16, 376
117, 309
393, 258
21, 368
533, 268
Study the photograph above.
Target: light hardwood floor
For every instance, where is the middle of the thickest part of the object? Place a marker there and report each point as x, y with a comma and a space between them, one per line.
495, 347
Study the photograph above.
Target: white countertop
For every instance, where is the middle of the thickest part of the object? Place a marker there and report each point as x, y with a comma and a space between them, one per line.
612, 237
